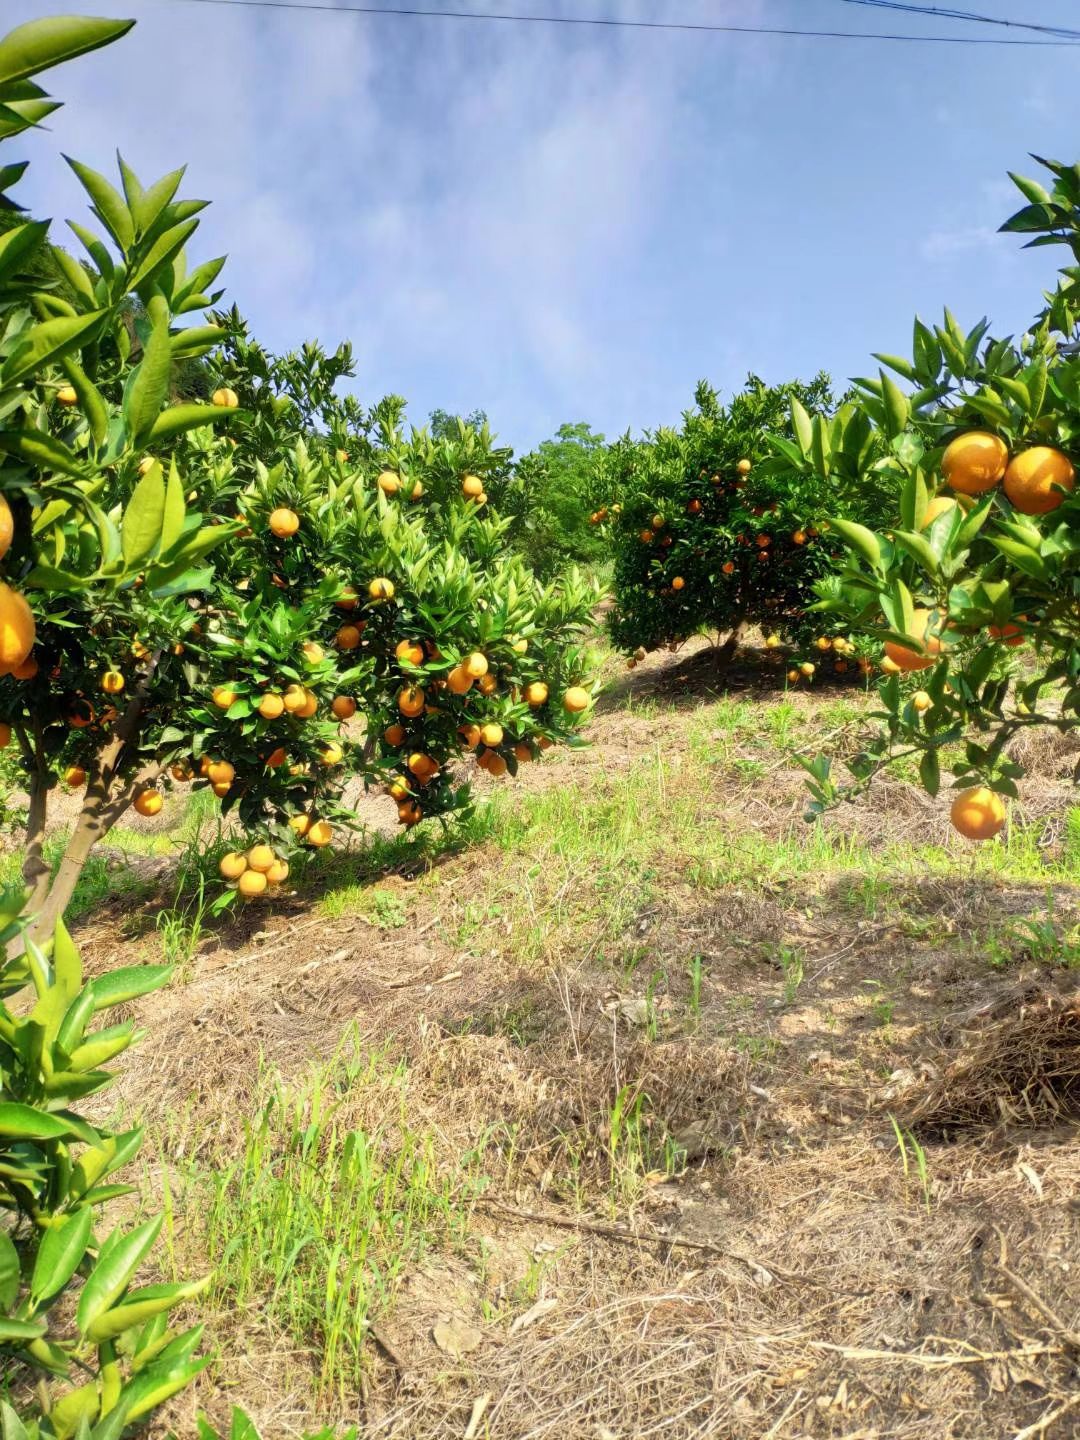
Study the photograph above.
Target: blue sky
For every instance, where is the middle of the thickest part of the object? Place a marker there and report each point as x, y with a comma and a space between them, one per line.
558, 224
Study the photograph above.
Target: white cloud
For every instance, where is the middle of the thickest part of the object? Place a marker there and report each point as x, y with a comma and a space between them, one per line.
944, 244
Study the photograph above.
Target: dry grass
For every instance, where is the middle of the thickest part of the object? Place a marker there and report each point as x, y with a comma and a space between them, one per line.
672, 1028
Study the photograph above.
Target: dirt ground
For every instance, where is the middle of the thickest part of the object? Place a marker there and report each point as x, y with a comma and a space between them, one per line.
793, 1275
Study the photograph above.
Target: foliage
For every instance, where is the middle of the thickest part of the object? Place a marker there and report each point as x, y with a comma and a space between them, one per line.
980, 591
241, 1427
553, 488
711, 530
341, 529
67, 1306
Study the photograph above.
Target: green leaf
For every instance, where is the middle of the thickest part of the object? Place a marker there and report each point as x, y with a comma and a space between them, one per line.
1024, 558
21, 1329
119, 1259
143, 515
1035, 380
897, 406
149, 385
40, 449
43, 344
196, 340
108, 204
40, 44
75, 273
930, 772
1031, 190
11, 1427
179, 418
60, 1254
93, 406
9, 1271
24, 1122
162, 252
859, 538
140, 1306
153, 201
919, 548
802, 425
19, 243
128, 983
172, 525
901, 366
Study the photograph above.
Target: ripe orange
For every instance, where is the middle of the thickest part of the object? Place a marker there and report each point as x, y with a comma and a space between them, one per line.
475, 665
347, 638
381, 589
276, 757
491, 734
975, 462
343, 707
220, 772
890, 667
743, 467
394, 735
221, 789
295, 698
409, 812
536, 694
823, 642
27, 669
181, 772
459, 681
74, 776
398, 789
907, 659
470, 736
411, 701
148, 802
17, 628
1009, 634
7, 526
921, 702
939, 505
728, 567
112, 682
772, 642
793, 677
646, 537
423, 766
576, 700
978, 813
232, 866
320, 834
67, 395
260, 857
678, 583
223, 696
1033, 476
799, 537
278, 873
312, 652
309, 707
284, 522
694, 508
806, 669
523, 752
389, 482
271, 706
472, 486
348, 599
331, 754
487, 684
226, 397
300, 825
417, 491
252, 883
81, 714
410, 652
495, 764
763, 541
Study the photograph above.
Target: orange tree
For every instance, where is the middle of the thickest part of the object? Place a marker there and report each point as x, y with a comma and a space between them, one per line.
139, 652
712, 528
975, 592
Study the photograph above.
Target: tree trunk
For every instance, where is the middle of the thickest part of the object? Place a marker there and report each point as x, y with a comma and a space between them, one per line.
726, 652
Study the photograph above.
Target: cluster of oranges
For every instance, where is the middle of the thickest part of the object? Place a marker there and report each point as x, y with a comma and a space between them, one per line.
1035, 481
255, 872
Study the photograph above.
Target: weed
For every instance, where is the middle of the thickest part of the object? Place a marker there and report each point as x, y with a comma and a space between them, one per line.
792, 963
1040, 939
912, 1154
695, 973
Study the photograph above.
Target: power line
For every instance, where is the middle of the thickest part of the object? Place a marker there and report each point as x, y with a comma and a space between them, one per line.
415, 12
939, 12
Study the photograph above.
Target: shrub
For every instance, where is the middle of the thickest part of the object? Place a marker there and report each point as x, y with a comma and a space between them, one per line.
68, 1309
974, 591
711, 531
180, 611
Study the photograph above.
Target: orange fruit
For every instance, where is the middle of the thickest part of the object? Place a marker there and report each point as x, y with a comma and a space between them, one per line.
394, 735
294, 699
475, 665
271, 706
823, 642
278, 873
312, 652
417, 491
411, 701
890, 667
799, 537
27, 669
348, 599
921, 702
678, 583
1033, 476
409, 812
410, 652
74, 776
398, 789
793, 677
226, 397
381, 589
975, 462
646, 537
148, 802
284, 522
347, 638
728, 567
260, 857
423, 766
978, 813
459, 681
389, 482
1009, 634
341, 456
181, 772
223, 696
743, 467
222, 789
470, 736
300, 824
81, 714
806, 669
523, 753
17, 628
331, 754
536, 694
576, 700
232, 866
112, 682
908, 659
320, 833
487, 684
67, 395
252, 883
939, 505
7, 526
772, 642
491, 734
220, 772
694, 508
343, 707
276, 758
657, 522
309, 707
472, 486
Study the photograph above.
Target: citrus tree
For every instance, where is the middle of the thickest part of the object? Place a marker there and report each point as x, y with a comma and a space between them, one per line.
268, 612
710, 531
973, 598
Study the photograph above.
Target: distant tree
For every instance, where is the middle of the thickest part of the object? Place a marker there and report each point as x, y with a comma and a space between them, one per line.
444, 426
556, 482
